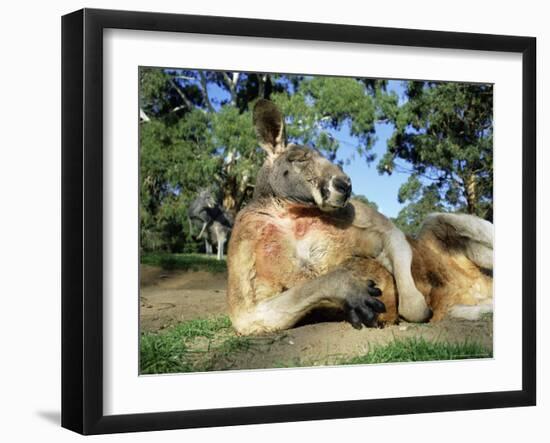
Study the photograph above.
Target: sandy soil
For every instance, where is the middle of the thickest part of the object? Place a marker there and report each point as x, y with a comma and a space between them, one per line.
169, 297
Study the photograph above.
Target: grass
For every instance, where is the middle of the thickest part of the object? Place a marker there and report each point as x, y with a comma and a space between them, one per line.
188, 262
418, 349
191, 346
211, 344
399, 350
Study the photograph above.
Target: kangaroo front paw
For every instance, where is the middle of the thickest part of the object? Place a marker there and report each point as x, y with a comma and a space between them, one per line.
362, 307
414, 308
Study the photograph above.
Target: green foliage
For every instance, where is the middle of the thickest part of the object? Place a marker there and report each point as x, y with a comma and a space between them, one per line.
174, 159
322, 104
187, 262
423, 201
191, 138
196, 131
443, 138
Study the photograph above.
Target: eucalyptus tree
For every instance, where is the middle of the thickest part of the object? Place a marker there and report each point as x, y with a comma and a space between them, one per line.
196, 130
443, 141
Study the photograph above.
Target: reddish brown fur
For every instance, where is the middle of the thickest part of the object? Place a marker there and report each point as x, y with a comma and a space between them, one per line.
285, 259
445, 278
260, 239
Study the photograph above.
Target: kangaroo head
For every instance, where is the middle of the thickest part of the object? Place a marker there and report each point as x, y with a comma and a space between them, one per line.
299, 174
208, 197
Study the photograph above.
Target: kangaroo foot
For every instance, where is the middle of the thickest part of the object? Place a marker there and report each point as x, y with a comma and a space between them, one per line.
413, 307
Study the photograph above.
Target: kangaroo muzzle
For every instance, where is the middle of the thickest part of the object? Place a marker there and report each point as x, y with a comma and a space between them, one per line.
335, 193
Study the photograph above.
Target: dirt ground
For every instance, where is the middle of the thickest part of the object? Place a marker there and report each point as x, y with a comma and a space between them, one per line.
170, 297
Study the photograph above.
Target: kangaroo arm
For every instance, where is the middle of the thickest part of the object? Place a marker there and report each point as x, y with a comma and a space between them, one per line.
204, 226
335, 289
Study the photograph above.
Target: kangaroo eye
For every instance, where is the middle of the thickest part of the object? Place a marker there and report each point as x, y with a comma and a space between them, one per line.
285, 173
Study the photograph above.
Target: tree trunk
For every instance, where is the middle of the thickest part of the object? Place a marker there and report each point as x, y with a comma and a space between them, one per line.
264, 85
204, 87
471, 193
230, 196
143, 116
234, 194
231, 83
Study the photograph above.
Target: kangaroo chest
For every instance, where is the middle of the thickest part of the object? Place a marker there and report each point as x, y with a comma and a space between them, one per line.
292, 248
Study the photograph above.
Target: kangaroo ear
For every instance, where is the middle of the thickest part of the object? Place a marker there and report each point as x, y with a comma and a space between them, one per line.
270, 128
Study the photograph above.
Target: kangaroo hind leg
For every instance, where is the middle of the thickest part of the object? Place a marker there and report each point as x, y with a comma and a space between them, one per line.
466, 233
397, 257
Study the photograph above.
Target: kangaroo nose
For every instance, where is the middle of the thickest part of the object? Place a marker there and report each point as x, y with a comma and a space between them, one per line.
342, 185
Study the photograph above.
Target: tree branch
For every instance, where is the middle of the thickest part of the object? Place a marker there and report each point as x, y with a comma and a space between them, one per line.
231, 83
178, 108
204, 87
182, 95
403, 170
143, 116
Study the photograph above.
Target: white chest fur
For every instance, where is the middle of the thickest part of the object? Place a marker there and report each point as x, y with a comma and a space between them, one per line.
311, 250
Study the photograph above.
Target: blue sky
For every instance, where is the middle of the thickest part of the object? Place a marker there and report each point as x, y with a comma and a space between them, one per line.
381, 189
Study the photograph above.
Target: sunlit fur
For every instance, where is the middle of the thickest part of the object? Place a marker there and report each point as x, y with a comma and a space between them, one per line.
301, 244
276, 247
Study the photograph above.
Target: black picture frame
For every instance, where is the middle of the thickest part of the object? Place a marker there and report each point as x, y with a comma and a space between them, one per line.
82, 218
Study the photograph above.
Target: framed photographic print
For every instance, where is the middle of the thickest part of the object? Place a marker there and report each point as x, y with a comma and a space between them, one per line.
270, 221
